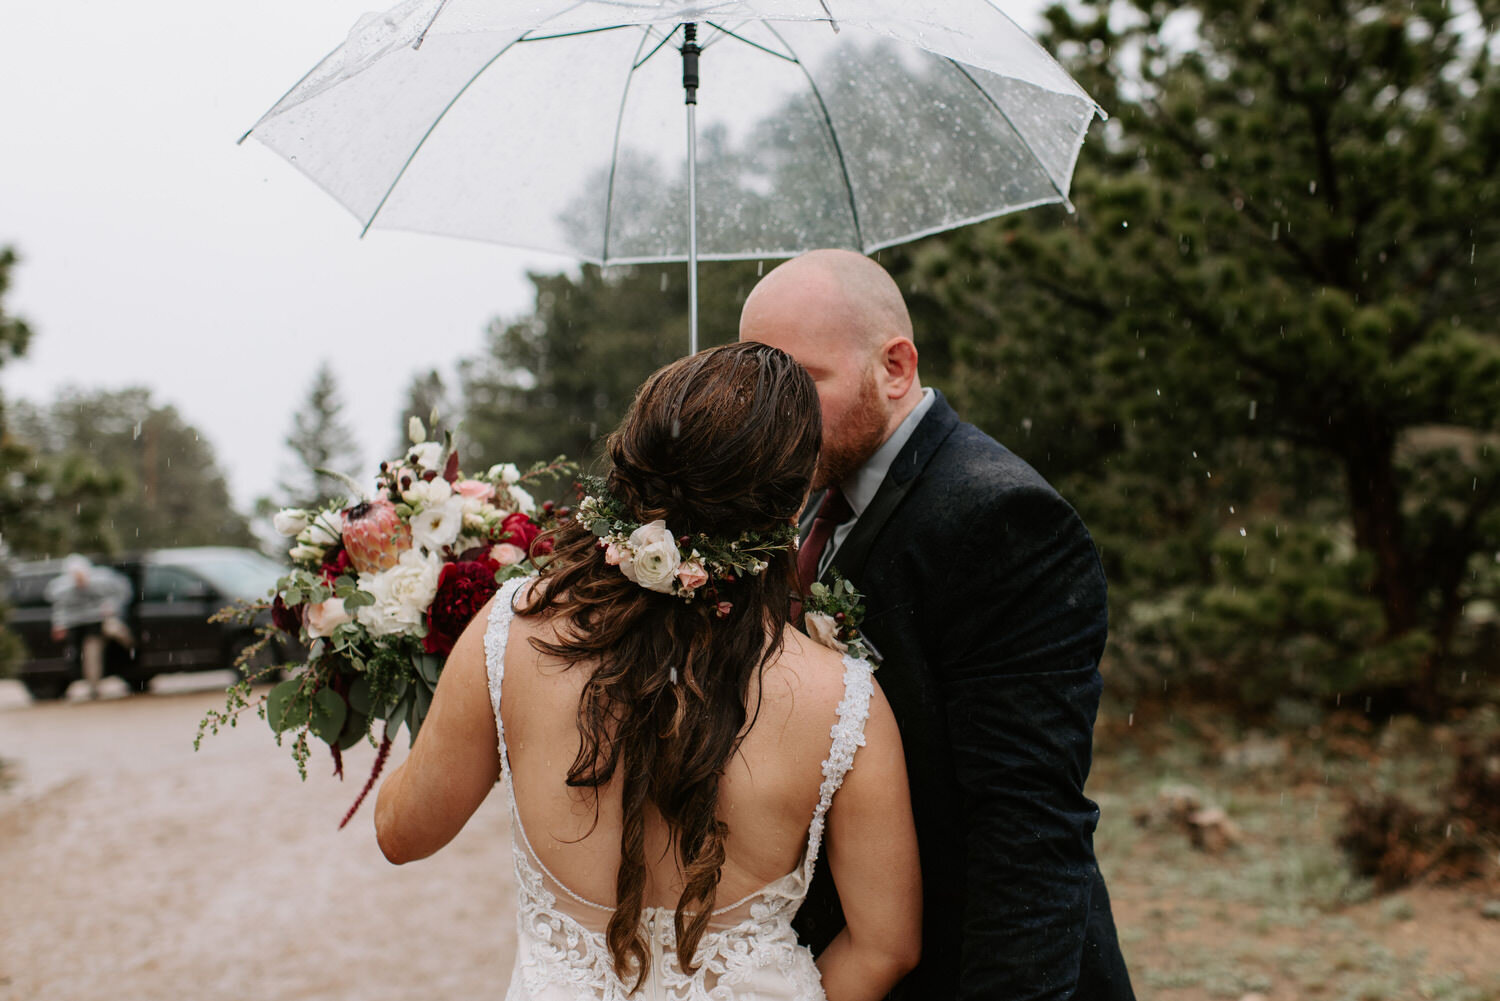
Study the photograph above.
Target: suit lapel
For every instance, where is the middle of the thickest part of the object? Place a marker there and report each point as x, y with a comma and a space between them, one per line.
899, 479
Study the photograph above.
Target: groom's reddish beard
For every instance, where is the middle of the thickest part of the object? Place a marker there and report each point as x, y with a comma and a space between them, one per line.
859, 435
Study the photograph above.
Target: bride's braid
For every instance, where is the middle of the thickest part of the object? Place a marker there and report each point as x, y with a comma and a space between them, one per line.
723, 442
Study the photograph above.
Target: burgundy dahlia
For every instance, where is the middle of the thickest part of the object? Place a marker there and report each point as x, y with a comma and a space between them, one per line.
462, 590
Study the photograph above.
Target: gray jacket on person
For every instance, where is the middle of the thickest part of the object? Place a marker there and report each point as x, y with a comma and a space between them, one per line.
104, 596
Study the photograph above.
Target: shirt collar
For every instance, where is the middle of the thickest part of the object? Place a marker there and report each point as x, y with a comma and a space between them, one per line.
860, 489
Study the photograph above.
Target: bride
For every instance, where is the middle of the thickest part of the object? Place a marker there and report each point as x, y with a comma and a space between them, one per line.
673, 753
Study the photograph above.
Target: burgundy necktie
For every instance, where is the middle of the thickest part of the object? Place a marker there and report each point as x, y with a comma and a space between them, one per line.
833, 512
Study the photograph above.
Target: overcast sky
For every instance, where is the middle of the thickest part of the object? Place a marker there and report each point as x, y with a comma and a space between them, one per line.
156, 252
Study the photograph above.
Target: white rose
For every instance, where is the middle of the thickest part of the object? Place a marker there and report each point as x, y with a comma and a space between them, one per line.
525, 503
402, 594
822, 628
654, 557
428, 493
428, 454
439, 525
325, 616
290, 520
505, 472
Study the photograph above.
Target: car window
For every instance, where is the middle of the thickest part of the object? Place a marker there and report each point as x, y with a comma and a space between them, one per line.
27, 590
160, 583
249, 576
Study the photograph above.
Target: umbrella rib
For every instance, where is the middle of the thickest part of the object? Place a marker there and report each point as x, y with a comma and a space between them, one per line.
614, 155
833, 136
641, 62
1061, 194
754, 45
426, 135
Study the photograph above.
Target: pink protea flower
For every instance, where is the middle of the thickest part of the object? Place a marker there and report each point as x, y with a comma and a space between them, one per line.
375, 536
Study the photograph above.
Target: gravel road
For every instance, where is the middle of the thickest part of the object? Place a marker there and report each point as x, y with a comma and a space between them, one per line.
133, 868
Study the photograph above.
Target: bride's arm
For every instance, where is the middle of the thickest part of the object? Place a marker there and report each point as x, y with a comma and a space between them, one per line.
872, 854
453, 765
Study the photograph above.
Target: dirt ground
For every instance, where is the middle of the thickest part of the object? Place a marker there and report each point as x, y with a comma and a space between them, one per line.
132, 867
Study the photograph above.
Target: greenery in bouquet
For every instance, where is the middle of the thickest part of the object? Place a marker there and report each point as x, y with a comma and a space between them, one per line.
381, 586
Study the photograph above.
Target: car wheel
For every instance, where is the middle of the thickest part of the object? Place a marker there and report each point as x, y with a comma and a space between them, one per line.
47, 689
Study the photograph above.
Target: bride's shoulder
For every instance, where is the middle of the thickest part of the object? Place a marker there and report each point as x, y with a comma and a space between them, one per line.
806, 678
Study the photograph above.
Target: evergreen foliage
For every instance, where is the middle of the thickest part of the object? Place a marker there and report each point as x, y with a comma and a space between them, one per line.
320, 439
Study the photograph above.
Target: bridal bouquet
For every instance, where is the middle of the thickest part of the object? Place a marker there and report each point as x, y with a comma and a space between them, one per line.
381, 586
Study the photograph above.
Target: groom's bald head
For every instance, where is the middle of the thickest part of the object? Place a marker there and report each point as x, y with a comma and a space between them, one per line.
828, 294
841, 315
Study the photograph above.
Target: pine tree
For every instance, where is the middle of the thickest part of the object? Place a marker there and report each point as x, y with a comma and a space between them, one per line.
320, 440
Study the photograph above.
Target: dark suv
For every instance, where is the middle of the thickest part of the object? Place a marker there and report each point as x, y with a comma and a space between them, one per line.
174, 591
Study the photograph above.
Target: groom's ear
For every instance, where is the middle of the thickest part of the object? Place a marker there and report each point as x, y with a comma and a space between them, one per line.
898, 367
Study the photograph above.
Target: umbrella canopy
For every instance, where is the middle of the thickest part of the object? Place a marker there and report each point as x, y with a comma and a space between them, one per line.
558, 125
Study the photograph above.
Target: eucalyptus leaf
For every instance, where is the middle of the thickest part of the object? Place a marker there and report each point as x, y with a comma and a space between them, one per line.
328, 714
359, 696
281, 699
356, 726
418, 712
428, 666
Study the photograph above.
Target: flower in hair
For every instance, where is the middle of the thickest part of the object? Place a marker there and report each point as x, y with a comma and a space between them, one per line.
651, 556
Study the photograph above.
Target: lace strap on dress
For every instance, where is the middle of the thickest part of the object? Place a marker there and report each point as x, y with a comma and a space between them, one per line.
848, 733
495, 634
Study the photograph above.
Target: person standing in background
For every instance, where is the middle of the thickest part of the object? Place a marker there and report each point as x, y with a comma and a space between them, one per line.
88, 606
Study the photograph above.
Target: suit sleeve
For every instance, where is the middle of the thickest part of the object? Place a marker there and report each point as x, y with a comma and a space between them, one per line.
1021, 685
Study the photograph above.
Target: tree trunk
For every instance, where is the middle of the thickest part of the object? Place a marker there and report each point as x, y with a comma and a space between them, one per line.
1375, 503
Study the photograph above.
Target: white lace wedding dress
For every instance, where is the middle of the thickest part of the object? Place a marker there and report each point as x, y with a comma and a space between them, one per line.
749, 952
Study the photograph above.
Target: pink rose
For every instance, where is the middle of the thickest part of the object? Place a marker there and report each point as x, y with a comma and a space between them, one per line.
323, 617
476, 489
691, 575
506, 554
612, 554
723, 609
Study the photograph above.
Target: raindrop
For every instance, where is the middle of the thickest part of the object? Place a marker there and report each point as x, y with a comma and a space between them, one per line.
1449, 832
1131, 720
1463, 678
1242, 533
1124, 224
760, 268
137, 432
663, 281
1471, 253
676, 427
1231, 509
1252, 409
1275, 231
1312, 187
1195, 455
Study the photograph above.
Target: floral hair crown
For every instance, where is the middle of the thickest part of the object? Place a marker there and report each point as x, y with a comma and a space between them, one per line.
683, 565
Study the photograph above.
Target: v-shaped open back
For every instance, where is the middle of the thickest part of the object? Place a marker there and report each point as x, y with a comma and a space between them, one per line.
749, 949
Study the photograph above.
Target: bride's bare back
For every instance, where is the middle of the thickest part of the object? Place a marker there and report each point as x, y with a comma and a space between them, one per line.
766, 796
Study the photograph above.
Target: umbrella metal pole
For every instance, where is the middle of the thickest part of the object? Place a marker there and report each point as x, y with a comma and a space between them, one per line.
690, 53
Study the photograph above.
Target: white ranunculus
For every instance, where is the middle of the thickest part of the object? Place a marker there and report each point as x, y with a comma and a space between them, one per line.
290, 520
436, 527
524, 502
326, 616
428, 454
304, 553
428, 493
402, 594
653, 557
823, 628
505, 472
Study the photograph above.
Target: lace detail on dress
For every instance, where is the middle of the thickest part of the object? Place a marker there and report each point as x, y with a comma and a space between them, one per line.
748, 953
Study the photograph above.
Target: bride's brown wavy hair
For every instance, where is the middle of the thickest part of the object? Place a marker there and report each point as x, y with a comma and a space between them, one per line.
722, 442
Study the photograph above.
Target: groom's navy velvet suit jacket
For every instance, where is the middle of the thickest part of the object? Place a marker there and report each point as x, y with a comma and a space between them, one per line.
985, 596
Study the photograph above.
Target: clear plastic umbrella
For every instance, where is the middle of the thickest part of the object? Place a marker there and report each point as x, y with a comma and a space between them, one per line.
559, 125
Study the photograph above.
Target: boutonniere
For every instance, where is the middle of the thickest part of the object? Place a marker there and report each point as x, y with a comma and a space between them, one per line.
831, 614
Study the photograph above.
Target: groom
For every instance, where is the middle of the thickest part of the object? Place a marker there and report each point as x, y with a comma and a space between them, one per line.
986, 599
